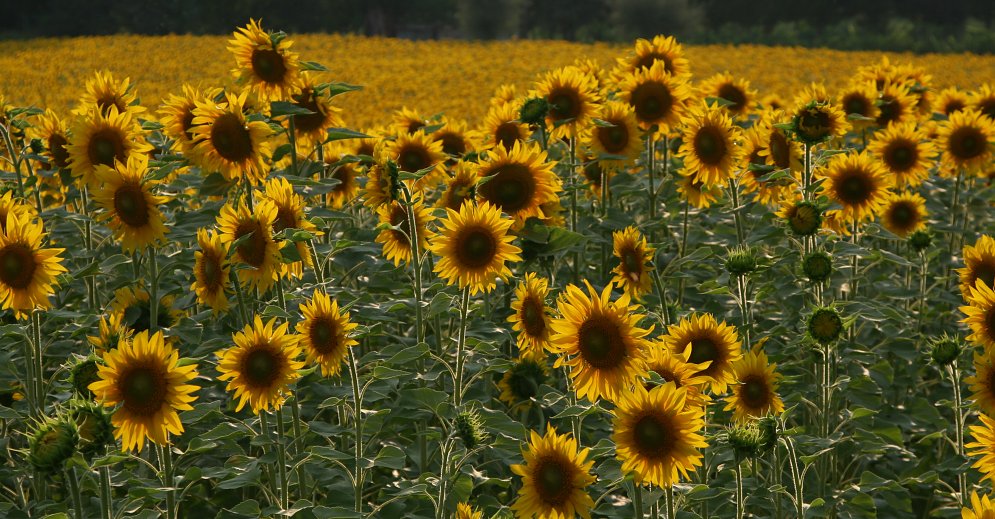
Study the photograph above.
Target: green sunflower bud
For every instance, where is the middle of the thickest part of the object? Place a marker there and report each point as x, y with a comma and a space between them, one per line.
93, 425
805, 218
825, 325
945, 350
82, 374
52, 444
469, 428
534, 111
741, 261
746, 440
817, 266
921, 240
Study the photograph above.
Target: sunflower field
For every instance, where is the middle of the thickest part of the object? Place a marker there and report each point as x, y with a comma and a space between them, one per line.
609, 286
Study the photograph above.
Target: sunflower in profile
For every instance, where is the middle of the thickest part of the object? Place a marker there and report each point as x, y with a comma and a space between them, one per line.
501, 127
397, 242
210, 271
983, 446
709, 341
346, 173
264, 62
111, 332
176, 115
754, 395
572, 97
531, 319
520, 384
982, 382
325, 333
663, 49
904, 213
290, 215
100, 140
657, 436
103, 92
905, 152
133, 307
310, 129
739, 98
408, 121
466, 511
709, 147
635, 262
505, 94
859, 102
9, 204
752, 179
619, 139
144, 375
130, 208
460, 186
555, 477
980, 315
521, 180
697, 194
676, 369
802, 217
777, 148
227, 142
657, 98
261, 364
816, 119
474, 247
382, 183
414, 152
258, 250
595, 174
895, 104
858, 183
52, 132
981, 508
966, 140
979, 264
456, 141
600, 341
951, 100
983, 100
27, 270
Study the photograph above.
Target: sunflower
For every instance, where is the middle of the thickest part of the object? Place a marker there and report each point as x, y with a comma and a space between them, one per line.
697, 194
177, 116
635, 262
130, 208
475, 247
27, 270
905, 152
979, 263
346, 173
210, 271
52, 132
520, 384
676, 369
264, 62
456, 141
966, 140
858, 183
227, 142
951, 100
772, 101
740, 98
505, 94
594, 173
895, 104
981, 508
904, 213
815, 119
134, 310
777, 148
112, 331
16, 206
100, 139
982, 383
803, 218
983, 100
501, 127
531, 319
520, 181
460, 186
709, 146
325, 333
859, 102
708, 341
661, 49
310, 129
980, 315
261, 364
755, 393
600, 341
259, 250
290, 215
397, 242
103, 92
657, 98
466, 511
751, 179
984, 446
572, 97
414, 152
382, 184
408, 121
144, 375
657, 437
619, 139
555, 477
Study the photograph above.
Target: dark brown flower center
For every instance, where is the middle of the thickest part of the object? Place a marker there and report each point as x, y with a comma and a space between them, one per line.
953, 105
904, 215
631, 263
710, 145
891, 110
648, 60
107, 101
654, 436
452, 144
105, 146
985, 272
703, 350
413, 158
813, 124
313, 121
57, 148
210, 270
652, 102
399, 218
475, 247
613, 138
231, 138
262, 366
324, 333
780, 150
966, 143
754, 392
856, 104
17, 266
734, 95
554, 480
854, 187
268, 64
533, 317
253, 249
511, 188
143, 389
601, 343
130, 205
507, 134
901, 155
564, 103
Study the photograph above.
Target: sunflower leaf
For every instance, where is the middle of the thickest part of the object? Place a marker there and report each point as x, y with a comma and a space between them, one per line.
339, 134
280, 108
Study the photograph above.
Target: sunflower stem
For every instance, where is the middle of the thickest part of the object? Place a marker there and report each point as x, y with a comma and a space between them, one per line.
740, 499
683, 250
736, 213
669, 495
153, 292
281, 454
165, 453
37, 187
415, 266
651, 173
14, 157
807, 174
242, 310
106, 503
357, 397
637, 500
70, 475
921, 305
90, 281
265, 432
460, 347
39, 367
959, 424
574, 182
292, 130
796, 480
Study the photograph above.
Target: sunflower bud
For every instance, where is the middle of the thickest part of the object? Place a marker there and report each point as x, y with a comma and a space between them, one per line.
93, 426
741, 261
469, 428
52, 444
746, 441
945, 350
817, 266
37, 147
768, 426
805, 218
534, 111
82, 374
921, 240
825, 325
812, 124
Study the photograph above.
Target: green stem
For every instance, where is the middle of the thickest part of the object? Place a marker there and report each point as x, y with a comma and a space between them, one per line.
39, 368
14, 157
106, 501
807, 174
415, 267
460, 347
574, 184
796, 479
740, 499
959, 424
70, 475
293, 146
281, 455
670, 502
240, 297
736, 213
358, 424
153, 292
166, 457
637, 500
651, 173
264, 427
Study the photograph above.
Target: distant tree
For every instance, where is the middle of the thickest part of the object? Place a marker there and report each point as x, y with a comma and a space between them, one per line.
645, 18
